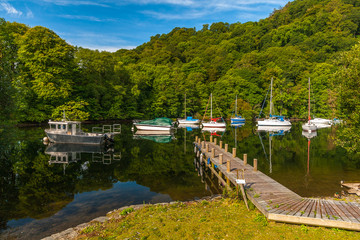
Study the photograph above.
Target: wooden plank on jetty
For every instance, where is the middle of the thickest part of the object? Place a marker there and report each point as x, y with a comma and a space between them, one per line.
274, 200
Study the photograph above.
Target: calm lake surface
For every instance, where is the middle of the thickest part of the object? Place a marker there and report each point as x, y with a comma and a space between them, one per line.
47, 189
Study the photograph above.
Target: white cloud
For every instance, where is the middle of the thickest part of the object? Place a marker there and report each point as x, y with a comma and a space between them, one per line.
10, 9
171, 16
172, 2
76, 3
200, 8
78, 17
88, 18
29, 13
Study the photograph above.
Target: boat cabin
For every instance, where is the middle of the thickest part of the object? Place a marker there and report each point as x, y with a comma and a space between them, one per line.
280, 118
66, 127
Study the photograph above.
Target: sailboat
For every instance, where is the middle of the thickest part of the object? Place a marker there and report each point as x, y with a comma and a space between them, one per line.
237, 119
309, 126
188, 120
213, 121
274, 120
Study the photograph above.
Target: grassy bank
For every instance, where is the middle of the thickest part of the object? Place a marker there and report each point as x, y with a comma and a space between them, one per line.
224, 218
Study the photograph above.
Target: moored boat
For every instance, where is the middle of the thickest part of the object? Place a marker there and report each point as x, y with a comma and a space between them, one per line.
273, 120
214, 122
237, 119
321, 121
309, 126
157, 124
70, 132
188, 120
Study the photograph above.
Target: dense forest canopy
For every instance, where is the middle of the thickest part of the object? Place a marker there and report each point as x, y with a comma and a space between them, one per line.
41, 74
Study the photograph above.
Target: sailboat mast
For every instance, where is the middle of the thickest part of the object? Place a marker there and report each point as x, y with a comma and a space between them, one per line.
236, 106
185, 105
210, 106
271, 97
309, 101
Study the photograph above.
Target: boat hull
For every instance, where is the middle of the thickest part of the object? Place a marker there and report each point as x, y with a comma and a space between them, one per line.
187, 122
90, 138
237, 120
273, 122
213, 129
214, 125
321, 121
309, 127
152, 127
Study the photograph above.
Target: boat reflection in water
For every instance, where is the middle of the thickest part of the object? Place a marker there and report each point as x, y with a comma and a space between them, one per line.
273, 131
62, 153
155, 136
188, 127
308, 135
213, 130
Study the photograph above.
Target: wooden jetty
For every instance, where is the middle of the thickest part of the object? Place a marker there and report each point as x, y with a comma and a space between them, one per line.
275, 201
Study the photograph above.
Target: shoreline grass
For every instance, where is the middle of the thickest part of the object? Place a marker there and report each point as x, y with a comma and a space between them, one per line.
224, 218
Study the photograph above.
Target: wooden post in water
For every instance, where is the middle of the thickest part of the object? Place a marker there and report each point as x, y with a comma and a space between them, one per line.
213, 152
211, 139
255, 164
207, 148
221, 144
245, 159
215, 141
234, 152
226, 147
220, 159
228, 165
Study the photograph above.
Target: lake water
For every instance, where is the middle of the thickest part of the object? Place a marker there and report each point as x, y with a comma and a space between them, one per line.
42, 195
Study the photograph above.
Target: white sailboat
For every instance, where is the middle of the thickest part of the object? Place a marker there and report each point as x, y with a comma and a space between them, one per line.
309, 126
188, 120
213, 121
237, 119
274, 120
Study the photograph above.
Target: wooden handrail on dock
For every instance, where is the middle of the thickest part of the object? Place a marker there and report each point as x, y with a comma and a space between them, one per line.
274, 200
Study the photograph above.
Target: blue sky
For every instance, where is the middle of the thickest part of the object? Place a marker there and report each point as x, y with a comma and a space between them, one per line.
114, 24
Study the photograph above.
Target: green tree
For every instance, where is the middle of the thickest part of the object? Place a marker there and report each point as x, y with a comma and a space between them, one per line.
46, 71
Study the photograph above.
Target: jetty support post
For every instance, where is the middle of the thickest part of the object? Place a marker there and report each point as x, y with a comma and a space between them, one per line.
215, 141
226, 147
245, 159
255, 164
211, 139
212, 152
228, 165
220, 158
234, 152
221, 143
207, 148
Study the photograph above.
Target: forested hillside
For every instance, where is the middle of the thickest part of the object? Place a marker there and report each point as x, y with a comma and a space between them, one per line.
41, 74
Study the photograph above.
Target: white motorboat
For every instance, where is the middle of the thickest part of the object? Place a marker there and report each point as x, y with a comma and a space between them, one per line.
321, 121
273, 120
